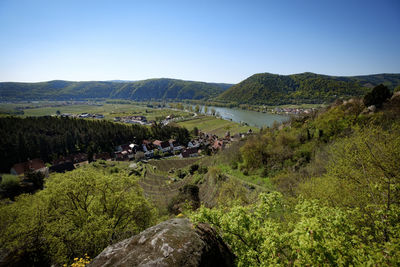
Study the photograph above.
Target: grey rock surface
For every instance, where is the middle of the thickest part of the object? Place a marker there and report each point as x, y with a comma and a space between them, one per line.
176, 242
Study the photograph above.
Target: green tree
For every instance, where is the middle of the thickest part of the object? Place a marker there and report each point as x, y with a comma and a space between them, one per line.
37, 178
270, 233
195, 131
10, 186
78, 212
179, 106
364, 167
377, 96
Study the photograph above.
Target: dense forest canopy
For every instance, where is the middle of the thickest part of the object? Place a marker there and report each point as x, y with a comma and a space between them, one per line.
139, 90
49, 137
272, 89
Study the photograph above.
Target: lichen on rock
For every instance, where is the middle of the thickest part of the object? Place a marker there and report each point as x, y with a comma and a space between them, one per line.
175, 242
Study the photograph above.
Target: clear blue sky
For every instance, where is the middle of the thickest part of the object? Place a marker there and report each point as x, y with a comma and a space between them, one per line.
218, 41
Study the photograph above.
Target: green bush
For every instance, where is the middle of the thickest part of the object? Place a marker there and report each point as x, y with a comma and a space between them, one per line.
188, 197
180, 173
312, 234
377, 96
193, 168
10, 186
203, 170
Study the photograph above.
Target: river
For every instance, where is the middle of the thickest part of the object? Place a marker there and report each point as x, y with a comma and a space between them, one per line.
250, 117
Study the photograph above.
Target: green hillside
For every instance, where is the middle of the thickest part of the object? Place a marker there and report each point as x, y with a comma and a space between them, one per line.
273, 89
137, 90
259, 89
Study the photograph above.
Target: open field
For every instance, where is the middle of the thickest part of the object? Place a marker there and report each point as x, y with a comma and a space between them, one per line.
108, 110
216, 126
207, 124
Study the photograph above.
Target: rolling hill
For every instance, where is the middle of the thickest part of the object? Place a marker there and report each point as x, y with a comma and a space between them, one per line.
273, 89
170, 89
259, 89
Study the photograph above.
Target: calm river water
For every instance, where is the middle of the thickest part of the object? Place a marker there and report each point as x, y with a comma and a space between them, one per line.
252, 118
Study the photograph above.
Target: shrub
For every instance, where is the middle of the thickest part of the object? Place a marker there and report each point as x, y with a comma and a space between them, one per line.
315, 235
181, 174
188, 197
377, 96
234, 165
203, 170
10, 186
193, 168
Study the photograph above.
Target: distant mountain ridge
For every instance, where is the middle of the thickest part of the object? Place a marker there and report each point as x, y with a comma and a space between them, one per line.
163, 88
258, 89
274, 89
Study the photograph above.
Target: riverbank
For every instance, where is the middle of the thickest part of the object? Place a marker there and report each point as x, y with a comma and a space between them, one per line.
243, 117
153, 111
217, 126
288, 109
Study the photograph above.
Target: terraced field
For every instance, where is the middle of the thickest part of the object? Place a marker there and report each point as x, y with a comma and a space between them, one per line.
158, 185
160, 189
165, 165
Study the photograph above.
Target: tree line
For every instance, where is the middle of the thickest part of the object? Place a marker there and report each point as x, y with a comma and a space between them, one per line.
50, 137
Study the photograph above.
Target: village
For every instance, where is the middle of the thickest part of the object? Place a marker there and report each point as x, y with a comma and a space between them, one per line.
83, 115
202, 144
134, 119
292, 111
142, 120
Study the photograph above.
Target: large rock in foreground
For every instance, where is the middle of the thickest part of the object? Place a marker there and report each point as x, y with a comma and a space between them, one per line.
175, 242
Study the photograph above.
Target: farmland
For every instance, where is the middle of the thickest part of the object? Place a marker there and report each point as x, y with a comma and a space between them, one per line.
107, 109
207, 124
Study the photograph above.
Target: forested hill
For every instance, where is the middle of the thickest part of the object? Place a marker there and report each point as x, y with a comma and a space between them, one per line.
273, 89
136, 90
259, 89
